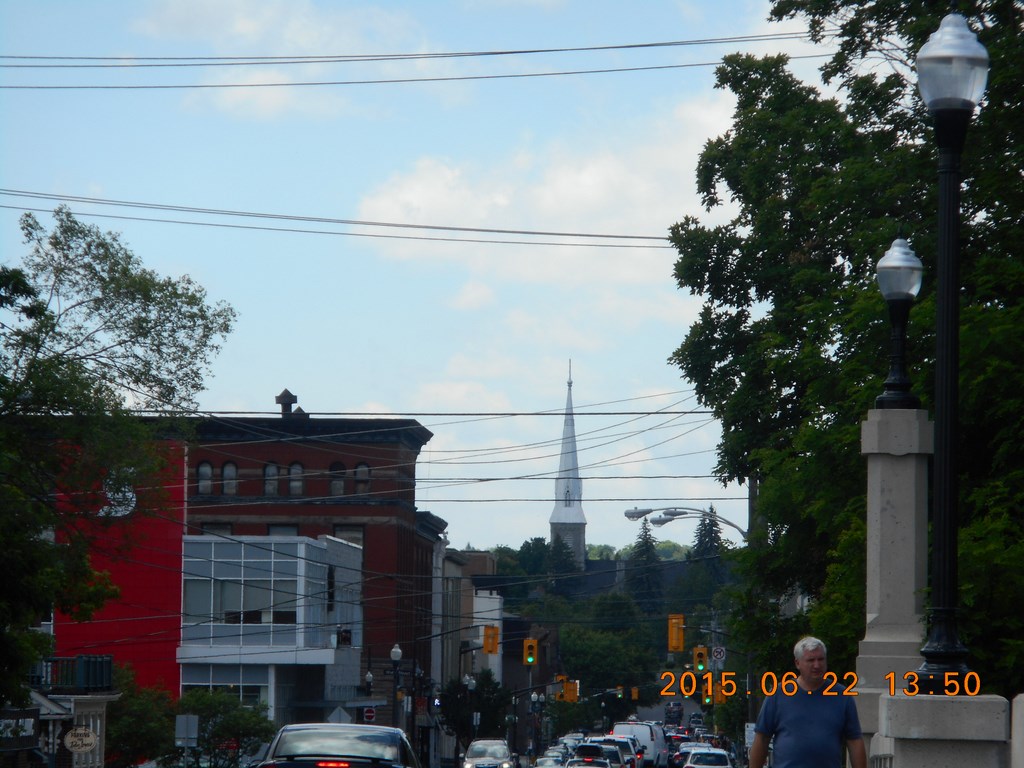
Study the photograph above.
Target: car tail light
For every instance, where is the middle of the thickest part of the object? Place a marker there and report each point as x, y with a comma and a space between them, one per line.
331, 764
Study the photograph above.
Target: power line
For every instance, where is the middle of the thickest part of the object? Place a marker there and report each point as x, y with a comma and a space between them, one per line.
201, 61
379, 81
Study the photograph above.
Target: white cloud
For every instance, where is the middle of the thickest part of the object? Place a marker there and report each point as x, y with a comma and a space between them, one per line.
472, 295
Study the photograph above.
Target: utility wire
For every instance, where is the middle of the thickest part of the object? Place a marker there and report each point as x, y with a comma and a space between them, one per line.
315, 219
378, 81
211, 61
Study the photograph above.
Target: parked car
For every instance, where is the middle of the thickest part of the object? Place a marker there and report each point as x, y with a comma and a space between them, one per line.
549, 762
362, 746
489, 753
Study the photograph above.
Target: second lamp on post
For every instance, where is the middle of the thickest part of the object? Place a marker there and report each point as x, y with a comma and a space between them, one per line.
396, 661
899, 278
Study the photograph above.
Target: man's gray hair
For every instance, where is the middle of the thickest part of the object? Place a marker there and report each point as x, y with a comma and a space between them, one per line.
805, 645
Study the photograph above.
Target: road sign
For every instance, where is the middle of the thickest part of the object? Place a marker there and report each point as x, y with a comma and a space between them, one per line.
718, 653
369, 714
80, 739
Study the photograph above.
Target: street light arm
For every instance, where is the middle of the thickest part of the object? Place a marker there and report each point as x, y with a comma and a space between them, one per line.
672, 513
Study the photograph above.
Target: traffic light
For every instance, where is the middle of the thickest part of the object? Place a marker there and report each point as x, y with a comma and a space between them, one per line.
634, 693
530, 651
676, 623
718, 694
563, 693
706, 694
618, 691
700, 659
572, 691
491, 639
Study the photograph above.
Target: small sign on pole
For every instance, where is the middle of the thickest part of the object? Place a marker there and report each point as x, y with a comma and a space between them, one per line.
369, 714
186, 730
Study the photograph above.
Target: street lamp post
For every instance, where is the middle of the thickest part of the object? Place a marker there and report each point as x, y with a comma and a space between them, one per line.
899, 278
668, 514
396, 660
470, 682
952, 70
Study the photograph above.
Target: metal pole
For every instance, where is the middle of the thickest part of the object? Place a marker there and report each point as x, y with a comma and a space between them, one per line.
943, 652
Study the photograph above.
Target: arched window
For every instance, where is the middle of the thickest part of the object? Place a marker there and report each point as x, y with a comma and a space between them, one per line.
204, 478
362, 478
337, 479
270, 480
295, 479
229, 478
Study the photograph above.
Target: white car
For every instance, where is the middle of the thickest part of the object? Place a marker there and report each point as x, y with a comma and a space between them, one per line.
708, 756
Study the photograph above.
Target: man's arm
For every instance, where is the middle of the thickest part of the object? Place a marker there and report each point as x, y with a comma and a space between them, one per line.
759, 752
858, 753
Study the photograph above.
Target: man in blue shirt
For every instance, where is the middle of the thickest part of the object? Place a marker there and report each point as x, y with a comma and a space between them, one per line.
809, 725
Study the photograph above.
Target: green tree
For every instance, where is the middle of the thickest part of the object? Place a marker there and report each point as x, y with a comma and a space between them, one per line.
87, 338
458, 704
644, 572
533, 556
228, 729
789, 348
670, 550
600, 552
707, 540
140, 723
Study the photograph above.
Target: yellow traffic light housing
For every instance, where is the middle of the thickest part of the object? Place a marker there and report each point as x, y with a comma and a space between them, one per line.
530, 651
700, 659
676, 625
491, 638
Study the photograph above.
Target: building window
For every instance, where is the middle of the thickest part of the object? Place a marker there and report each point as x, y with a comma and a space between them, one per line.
337, 479
270, 480
229, 478
204, 478
362, 478
295, 479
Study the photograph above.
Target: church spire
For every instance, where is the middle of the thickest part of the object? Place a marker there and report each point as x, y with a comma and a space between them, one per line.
567, 518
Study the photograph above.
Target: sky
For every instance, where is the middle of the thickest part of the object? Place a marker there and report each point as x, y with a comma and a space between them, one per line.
439, 236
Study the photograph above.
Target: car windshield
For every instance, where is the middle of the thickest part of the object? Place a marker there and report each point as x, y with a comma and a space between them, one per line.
378, 746
479, 749
708, 758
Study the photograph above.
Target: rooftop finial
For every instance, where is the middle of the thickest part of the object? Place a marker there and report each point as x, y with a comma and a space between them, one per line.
570, 373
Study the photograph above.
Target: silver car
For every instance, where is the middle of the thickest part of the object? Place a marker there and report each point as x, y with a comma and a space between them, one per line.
488, 753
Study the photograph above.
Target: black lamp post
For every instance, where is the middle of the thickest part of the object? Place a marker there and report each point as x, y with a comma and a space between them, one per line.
396, 660
470, 682
899, 279
952, 69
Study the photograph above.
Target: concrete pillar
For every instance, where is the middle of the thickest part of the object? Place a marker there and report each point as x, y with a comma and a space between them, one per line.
947, 731
897, 444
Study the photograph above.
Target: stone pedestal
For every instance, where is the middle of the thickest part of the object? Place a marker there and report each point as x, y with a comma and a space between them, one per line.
946, 731
897, 444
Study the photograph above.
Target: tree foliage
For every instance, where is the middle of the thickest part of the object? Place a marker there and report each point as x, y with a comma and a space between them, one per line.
489, 698
228, 729
643, 571
87, 337
789, 347
140, 723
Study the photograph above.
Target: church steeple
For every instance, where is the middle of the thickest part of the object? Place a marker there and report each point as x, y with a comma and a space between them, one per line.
567, 518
